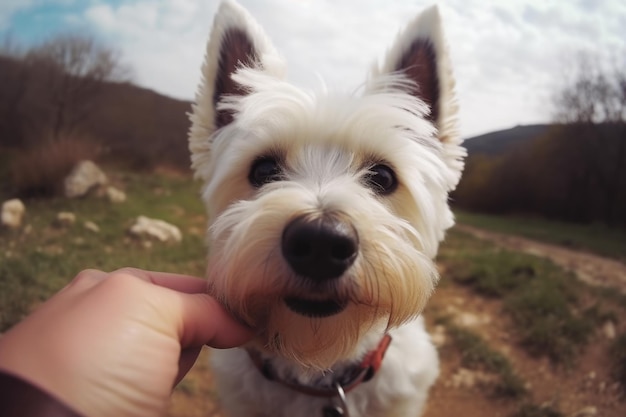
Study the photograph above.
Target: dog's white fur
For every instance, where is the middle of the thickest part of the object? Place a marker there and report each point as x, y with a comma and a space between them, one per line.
327, 143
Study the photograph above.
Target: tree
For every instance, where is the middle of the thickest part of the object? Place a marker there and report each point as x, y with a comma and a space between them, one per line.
74, 69
12, 91
591, 107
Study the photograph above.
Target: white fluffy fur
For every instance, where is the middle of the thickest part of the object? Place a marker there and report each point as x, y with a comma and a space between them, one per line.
326, 143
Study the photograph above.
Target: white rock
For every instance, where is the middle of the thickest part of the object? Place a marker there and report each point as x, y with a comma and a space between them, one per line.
65, 218
12, 213
466, 378
91, 226
609, 330
158, 229
84, 177
438, 336
115, 195
589, 411
466, 319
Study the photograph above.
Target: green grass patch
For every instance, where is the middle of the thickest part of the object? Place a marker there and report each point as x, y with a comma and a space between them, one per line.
542, 300
493, 272
595, 238
477, 354
41, 258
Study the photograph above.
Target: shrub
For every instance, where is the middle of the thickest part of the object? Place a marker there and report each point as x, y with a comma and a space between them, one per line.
39, 171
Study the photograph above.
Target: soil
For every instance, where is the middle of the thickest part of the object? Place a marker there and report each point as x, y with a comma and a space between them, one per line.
584, 389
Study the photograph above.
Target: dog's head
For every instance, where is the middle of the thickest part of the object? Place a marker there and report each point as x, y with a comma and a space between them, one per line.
325, 209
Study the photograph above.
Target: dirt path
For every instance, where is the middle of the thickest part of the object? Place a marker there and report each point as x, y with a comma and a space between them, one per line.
589, 268
583, 390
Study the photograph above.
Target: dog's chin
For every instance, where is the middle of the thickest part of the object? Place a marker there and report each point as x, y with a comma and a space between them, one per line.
315, 308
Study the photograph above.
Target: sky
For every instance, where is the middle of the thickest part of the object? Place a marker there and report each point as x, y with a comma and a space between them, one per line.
509, 56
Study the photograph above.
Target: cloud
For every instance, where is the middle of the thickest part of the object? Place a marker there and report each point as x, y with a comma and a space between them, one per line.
8, 8
507, 56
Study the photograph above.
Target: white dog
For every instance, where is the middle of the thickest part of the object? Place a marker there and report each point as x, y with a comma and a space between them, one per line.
326, 211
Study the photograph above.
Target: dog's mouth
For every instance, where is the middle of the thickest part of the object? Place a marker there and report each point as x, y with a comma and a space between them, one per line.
315, 308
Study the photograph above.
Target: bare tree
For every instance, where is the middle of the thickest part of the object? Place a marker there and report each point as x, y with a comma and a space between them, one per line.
13, 89
592, 108
75, 69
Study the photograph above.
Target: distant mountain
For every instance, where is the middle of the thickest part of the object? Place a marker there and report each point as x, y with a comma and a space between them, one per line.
503, 141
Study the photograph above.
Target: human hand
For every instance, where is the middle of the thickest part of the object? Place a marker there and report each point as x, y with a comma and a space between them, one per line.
116, 344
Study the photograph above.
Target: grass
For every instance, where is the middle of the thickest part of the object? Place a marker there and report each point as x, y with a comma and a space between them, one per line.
476, 354
542, 300
41, 258
595, 238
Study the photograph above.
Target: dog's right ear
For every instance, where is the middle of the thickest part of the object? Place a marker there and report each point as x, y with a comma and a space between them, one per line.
236, 41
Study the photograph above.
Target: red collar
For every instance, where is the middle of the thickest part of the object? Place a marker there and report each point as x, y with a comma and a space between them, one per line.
353, 377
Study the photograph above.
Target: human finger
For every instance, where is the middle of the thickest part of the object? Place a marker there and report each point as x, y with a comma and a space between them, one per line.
177, 282
86, 278
203, 320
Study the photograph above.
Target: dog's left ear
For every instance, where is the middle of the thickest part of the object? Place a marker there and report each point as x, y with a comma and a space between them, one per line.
420, 54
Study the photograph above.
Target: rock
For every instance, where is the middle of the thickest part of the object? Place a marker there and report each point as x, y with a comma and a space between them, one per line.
466, 378
609, 330
471, 320
65, 218
12, 213
438, 336
115, 195
589, 411
84, 177
154, 228
91, 226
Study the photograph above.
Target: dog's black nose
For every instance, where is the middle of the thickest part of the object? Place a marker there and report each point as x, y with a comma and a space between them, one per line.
319, 248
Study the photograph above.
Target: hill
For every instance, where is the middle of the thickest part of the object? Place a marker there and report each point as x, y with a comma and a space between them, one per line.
502, 141
147, 126
138, 125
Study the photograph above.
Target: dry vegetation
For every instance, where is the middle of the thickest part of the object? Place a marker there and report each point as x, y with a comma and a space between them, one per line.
573, 171
69, 98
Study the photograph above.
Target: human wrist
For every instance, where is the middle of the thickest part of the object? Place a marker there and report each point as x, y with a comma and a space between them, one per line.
35, 364
19, 397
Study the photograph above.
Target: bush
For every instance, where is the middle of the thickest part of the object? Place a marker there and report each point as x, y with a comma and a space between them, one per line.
39, 171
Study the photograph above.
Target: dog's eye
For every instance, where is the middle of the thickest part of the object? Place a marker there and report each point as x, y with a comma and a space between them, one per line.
264, 170
381, 179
